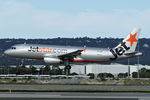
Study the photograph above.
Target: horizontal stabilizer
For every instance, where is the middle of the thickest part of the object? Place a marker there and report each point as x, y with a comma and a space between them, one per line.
136, 53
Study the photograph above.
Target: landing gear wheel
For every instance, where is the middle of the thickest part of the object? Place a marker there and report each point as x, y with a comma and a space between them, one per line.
68, 67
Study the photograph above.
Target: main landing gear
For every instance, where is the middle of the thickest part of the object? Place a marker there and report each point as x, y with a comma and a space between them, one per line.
67, 69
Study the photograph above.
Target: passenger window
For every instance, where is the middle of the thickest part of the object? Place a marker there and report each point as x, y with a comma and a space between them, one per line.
13, 47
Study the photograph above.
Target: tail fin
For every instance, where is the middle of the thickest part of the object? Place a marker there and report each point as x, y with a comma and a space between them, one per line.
130, 42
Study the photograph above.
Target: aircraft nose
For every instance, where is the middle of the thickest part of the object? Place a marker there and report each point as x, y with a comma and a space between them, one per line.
6, 52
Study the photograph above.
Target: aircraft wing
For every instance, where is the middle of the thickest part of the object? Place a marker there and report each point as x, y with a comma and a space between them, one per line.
71, 54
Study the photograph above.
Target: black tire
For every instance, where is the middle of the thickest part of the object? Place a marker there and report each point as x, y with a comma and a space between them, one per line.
68, 67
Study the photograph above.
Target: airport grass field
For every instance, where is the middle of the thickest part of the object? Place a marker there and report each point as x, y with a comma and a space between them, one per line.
77, 81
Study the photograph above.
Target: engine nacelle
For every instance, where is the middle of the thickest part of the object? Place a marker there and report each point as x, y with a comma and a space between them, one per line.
50, 60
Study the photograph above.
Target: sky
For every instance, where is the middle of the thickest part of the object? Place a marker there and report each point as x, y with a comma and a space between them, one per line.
73, 18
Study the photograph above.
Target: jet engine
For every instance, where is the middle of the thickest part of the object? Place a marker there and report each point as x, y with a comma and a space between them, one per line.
50, 60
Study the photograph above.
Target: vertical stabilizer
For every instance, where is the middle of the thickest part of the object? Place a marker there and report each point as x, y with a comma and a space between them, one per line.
131, 40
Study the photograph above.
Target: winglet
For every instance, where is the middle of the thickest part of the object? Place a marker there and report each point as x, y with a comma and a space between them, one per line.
84, 49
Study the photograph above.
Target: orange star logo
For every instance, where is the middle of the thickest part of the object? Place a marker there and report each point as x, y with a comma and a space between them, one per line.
132, 39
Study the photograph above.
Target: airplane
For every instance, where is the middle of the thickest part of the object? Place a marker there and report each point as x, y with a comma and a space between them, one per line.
56, 55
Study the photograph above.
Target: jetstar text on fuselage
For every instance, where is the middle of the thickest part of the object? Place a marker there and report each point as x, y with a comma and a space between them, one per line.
47, 50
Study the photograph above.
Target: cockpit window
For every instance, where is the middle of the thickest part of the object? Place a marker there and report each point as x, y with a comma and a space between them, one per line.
13, 47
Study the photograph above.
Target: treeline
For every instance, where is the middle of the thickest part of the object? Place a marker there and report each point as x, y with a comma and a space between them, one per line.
143, 73
22, 70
